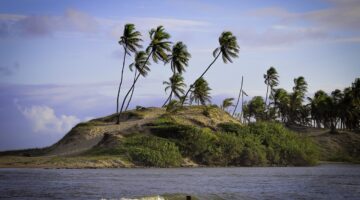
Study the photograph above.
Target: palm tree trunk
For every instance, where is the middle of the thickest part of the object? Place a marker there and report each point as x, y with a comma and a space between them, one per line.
132, 92
133, 85
242, 106
121, 80
187, 93
238, 99
168, 99
267, 92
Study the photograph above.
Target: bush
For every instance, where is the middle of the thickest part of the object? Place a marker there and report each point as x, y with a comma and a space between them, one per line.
230, 127
290, 147
256, 144
152, 151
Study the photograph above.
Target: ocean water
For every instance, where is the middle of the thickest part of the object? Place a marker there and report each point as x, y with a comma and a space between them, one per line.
327, 181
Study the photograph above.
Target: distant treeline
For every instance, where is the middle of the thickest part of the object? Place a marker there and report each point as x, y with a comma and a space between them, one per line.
337, 110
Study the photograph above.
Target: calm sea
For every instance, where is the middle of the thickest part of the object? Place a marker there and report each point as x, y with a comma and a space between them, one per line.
328, 181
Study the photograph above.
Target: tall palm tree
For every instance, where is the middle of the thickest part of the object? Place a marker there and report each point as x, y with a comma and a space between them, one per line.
157, 49
228, 48
140, 66
271, 81
130, 40
200, 93
228, 102
238, 99
175, 85
132, 91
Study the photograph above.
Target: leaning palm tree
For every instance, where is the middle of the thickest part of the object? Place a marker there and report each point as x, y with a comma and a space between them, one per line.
140, 66
271, 81
175, 85
157, 49
228, 102
130, 41
200, 93
179, 58
228, 48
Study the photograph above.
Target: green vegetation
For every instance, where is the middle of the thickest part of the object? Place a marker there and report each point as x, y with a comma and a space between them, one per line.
235, 145
336, 111
152, 151
144, 150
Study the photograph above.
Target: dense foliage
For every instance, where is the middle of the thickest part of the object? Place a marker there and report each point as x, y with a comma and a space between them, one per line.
257, 144
337, 110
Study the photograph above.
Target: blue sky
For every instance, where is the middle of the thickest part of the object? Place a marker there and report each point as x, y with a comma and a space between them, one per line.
60, 61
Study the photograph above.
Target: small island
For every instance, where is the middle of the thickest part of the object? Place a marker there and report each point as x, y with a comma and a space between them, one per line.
191, 136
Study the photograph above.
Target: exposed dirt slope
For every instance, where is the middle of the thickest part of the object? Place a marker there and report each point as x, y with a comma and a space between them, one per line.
86, 135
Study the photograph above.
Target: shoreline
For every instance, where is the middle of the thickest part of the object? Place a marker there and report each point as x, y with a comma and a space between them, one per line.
8, 162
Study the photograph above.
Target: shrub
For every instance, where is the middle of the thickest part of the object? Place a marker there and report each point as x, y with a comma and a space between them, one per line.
256, 144
230, 127
153, 151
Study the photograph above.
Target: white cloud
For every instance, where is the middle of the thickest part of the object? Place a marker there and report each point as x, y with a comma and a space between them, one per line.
44, 120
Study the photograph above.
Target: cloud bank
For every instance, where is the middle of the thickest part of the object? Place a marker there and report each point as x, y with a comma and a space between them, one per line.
44, 120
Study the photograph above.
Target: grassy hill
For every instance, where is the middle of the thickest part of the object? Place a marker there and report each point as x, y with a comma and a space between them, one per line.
187, 137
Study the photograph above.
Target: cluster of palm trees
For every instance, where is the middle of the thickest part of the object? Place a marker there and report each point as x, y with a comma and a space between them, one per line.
177, 56
338, 110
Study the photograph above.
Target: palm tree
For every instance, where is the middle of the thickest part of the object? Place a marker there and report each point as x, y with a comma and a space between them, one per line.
228, 48
157, 49
282, 103
228, 102
132, 91
200, 93
317, 104
271, 81
141, 66
256, 108
179, 58
130, 41
159, 45
297, 98
175, 85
